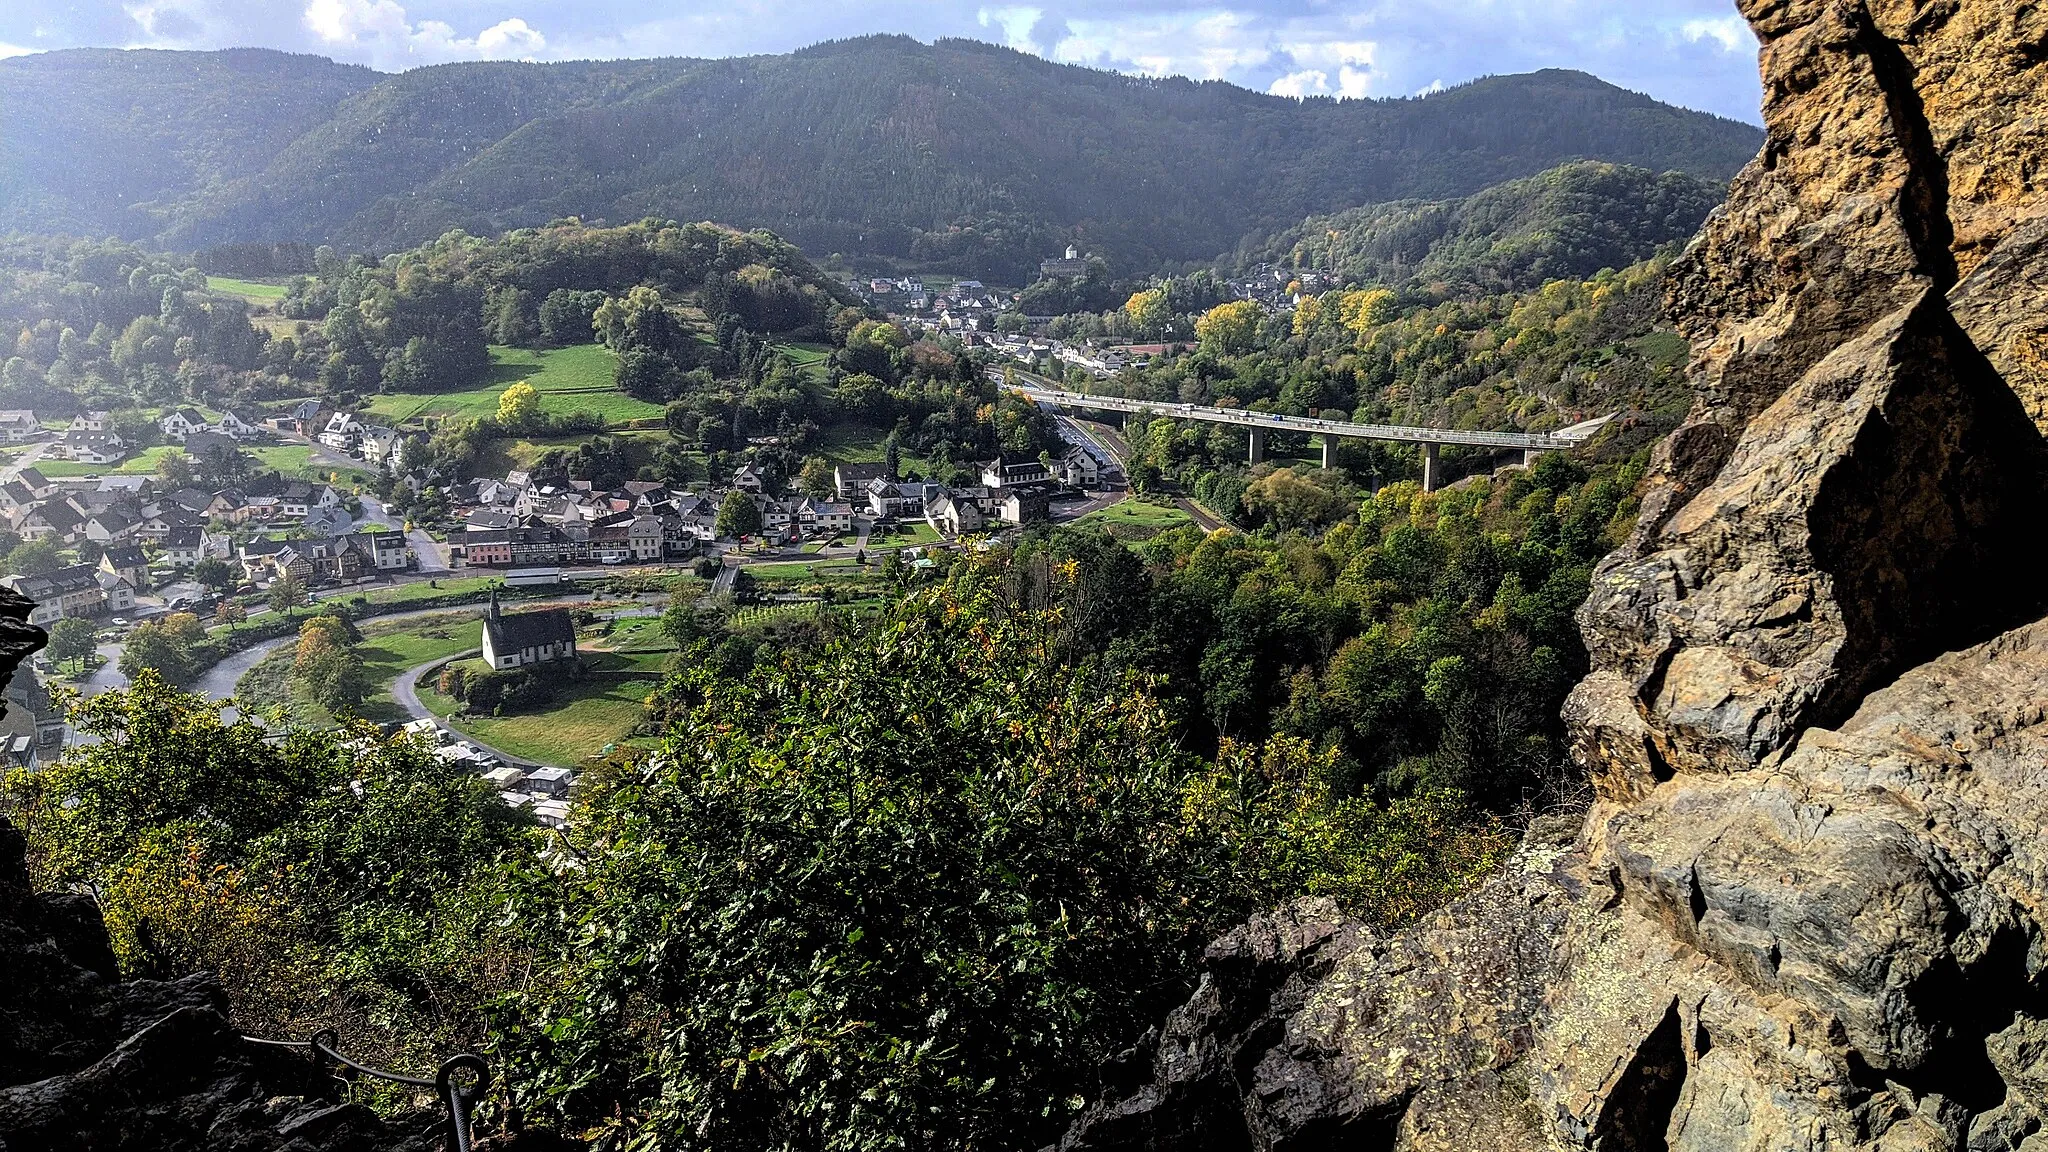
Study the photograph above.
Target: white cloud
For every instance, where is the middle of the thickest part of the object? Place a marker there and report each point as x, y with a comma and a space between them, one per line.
7, 50
1203, 45
1307, 82
1351, 60
1731, 32
353, 22
382, 30
1016, 23
1430, 89
509, 40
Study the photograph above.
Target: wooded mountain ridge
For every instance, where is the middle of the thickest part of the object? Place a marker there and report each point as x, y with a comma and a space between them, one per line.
955, 154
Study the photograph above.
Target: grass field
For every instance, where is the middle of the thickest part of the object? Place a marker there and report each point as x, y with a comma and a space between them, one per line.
1136, 519
812, 570
294, 460
601, 709
143, 463
570, 380
907, 535
859, 444
254, 289
504, 455
809, 359
387, 652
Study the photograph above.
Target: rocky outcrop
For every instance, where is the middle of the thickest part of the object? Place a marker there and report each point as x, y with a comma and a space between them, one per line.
89, 1061
1808, 908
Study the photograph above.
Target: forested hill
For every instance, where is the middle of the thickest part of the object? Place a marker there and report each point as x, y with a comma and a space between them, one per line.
956, 153
1567, 223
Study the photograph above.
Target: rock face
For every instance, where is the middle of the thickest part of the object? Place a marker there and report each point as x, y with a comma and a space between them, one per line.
1807, 908
90, 1061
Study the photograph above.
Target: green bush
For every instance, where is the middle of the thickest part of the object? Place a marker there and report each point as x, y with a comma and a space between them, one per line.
905, 891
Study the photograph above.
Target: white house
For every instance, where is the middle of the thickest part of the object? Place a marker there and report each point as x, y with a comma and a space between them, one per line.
90, 447
952, 514
182, 422
1080, 469
232, 424
88, 422
825, 516
342, 431
379, 446
189, 544
18, 424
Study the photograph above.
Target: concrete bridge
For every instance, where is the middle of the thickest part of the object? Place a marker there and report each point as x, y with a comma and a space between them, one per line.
1328, 431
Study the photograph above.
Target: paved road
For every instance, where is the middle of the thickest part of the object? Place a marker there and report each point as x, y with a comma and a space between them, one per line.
35, 453
433, 560
406, 690
1399, 433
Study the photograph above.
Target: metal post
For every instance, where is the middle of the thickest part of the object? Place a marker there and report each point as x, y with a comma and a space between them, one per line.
1429, 468
1257, 451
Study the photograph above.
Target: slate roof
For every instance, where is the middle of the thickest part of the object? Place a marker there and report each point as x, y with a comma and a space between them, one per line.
530, 629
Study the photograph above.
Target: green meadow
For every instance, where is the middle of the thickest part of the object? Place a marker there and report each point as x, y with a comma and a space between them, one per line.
570, 380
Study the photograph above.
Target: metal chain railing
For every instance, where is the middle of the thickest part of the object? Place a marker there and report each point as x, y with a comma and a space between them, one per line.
458, 1093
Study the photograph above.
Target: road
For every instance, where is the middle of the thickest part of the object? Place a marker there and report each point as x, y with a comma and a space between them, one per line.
433, 560
34, 454
1399, 433
406, 691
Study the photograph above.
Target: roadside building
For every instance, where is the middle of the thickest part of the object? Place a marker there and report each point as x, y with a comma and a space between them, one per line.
127, 562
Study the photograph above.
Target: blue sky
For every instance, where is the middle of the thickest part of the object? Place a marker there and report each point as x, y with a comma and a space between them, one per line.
1698, 53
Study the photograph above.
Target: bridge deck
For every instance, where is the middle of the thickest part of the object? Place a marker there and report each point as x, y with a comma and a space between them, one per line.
1401, 433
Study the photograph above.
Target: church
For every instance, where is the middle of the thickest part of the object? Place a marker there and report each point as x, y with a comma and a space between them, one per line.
527, 637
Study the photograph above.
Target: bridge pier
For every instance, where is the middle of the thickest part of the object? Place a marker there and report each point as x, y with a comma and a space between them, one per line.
1257, 450
1429, 468
1328, 440
1529, 456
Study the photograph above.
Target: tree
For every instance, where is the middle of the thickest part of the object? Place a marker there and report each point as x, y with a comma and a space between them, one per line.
738, 516
224, 464
309, 872
565, 316
639, 319
874, 923
334, 677
1148, 311
1287, 499
174, 470
1229, 328
287, 593
163, 646
73, 638
1362, 311
816, 478
35, 557
518, 406
229, 614
214, 573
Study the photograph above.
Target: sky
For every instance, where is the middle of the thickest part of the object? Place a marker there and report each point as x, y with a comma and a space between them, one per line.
1697, 53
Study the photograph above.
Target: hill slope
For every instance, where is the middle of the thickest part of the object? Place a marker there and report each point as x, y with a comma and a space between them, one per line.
960, 152
1569, 222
